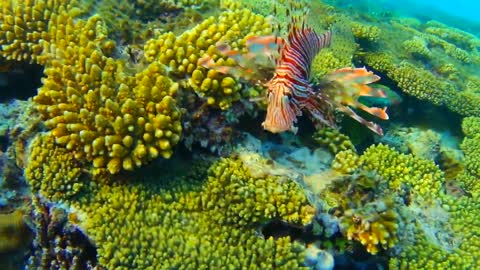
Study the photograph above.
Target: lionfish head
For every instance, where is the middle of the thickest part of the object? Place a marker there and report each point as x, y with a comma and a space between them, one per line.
281, 111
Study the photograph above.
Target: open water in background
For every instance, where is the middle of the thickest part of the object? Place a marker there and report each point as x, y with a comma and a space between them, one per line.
463, 14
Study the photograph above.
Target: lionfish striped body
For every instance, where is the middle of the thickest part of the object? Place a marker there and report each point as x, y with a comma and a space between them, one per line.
290, 90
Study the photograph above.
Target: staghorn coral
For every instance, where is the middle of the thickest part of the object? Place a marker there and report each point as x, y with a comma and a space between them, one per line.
181, 54
185, 217
99, 111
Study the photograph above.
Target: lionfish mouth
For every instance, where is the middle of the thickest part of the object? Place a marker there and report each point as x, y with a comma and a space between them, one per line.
281, 114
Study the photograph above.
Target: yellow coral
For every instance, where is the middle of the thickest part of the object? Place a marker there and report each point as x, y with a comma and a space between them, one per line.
346, 161
55, 163
97, 110
365, 32
340, 52
181, 54
333, 139
24, 25
184, 218
380, 231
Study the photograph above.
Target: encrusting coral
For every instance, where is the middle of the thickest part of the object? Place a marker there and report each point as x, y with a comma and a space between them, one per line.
194, 219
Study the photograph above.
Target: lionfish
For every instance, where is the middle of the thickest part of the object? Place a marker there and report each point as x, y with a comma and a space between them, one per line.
291, 90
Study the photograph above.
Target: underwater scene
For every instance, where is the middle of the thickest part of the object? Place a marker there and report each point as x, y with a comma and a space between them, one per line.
239, 134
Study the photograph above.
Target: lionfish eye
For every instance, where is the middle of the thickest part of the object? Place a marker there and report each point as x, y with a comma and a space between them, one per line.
288, 95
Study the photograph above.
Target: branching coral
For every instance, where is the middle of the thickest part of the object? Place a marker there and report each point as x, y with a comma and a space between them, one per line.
179, 219
333, 139
426, 62
365, 32
55, 163
365, 208
25, 24
181, 54
137, 21
97, 110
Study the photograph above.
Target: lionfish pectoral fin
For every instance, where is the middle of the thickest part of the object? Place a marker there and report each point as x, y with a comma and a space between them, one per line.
356, 75
315, 110
370, 125
375, 111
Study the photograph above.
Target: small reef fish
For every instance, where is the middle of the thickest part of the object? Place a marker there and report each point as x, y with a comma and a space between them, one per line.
291, 90
391, 98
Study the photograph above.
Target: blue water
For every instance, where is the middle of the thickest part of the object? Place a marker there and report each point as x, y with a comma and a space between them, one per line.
463, 14
464, 9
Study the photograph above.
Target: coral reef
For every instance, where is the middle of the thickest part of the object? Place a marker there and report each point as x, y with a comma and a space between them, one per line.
24, 25
181, 54
98, 111
333, 139
422, 143
124, 86
431, 62
137, 21
57, 243
186, 217
55, 163
365, 207
372, 193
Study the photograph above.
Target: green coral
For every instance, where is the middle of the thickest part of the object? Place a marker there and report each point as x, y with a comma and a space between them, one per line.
185, 218
333, 139
365, 32
417, 47
340, 53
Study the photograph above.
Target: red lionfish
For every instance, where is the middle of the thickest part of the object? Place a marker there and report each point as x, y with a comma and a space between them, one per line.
291, 90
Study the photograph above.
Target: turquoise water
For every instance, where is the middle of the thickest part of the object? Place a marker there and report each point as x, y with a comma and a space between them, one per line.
460, 14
